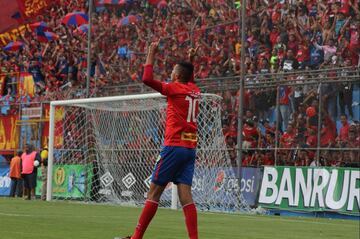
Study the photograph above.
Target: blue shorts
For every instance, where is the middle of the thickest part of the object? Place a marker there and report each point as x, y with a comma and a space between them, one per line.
175, 164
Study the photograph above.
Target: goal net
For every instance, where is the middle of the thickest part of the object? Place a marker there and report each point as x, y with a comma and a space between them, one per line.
109, 147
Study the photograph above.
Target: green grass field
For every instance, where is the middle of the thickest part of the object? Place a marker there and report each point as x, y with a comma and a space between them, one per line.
20, 219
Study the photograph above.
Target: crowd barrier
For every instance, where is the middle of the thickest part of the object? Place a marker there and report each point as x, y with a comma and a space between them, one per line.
294, 189
5, 180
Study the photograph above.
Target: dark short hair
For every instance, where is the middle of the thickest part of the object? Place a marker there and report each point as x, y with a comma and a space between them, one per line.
186, 71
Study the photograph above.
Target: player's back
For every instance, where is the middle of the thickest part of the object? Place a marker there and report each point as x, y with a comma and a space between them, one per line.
183, 106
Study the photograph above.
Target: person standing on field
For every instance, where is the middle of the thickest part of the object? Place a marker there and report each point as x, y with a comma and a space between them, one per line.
29, 171
15, 175
176, 161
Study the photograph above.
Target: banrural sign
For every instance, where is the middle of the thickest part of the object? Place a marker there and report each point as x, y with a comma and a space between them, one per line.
311, 189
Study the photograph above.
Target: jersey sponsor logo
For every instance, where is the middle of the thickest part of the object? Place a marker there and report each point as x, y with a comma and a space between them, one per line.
195, 94
188, 137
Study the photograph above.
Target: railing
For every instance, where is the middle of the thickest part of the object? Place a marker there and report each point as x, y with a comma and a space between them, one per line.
270, 80
313, 86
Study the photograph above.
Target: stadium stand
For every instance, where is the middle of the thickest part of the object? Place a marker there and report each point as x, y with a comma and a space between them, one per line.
289, 46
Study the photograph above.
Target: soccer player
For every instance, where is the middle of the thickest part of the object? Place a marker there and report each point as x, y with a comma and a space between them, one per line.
177, 157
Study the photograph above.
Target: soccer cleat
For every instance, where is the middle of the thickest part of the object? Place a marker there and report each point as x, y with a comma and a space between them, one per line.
128, 237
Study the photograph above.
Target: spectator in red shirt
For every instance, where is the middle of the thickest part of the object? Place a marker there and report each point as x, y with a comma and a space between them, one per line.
311, 140
288, 138
353, 142
303, 55
328, 131
335, 158
250, 133
353, 137
249, 158
268, 159
344, 130
284, 92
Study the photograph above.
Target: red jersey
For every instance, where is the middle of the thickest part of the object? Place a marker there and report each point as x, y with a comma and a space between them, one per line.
247, 161
328, 133
267, 161
287, 140
182, 109
250, 133
312, 141
344, 132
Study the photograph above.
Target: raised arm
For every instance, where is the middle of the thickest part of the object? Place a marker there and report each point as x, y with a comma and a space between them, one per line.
148, 77
191, 54
354, 7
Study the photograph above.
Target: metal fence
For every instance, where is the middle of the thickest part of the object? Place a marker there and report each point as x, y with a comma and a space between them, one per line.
307, 104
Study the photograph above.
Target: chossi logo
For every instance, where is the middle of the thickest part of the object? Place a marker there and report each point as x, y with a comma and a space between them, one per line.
220, 180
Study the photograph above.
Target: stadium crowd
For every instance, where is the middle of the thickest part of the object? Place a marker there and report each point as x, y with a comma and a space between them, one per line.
281, 36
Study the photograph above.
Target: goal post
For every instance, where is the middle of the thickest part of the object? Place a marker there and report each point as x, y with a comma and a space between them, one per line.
53, 104
50, 151
110, 145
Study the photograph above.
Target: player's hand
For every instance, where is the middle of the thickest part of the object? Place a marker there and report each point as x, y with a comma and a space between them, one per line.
192, 52
153, 47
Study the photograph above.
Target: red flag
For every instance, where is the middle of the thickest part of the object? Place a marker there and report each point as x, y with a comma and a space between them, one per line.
8, 134
2, 83
154, 2
8, 19
32, 8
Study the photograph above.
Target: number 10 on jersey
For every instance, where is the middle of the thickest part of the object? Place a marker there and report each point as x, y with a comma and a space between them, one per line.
191, 117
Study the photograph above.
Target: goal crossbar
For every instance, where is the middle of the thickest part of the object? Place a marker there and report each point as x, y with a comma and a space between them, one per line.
115, 98
54, 104
104, 150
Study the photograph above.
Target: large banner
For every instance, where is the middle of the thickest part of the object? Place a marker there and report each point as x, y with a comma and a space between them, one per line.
13, 34
311, 189
8, 135
9, 13
218, 186
59, 129
5, 180
32, 8
26, 84
224, 185
69, 181
2, 84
